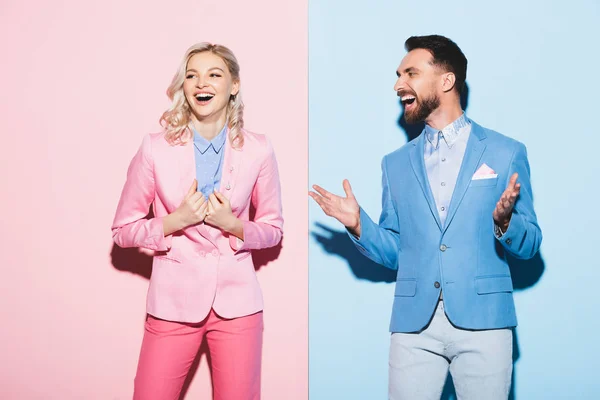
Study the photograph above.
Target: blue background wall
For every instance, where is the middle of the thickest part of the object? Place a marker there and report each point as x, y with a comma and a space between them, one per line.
533, 75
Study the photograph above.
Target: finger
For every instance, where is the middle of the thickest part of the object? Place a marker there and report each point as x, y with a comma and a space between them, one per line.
320, 201
348, 189
322, 191
506, 203
501, 205
317, 198
517, 189
513, 181
314, 195
515, 193
193, 199
508, 193
204, 207
502, 198
214, 202
203, 210
192, 189
513, 198
221, 197
199, 201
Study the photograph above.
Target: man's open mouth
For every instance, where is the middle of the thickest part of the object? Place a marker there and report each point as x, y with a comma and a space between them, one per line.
408, 100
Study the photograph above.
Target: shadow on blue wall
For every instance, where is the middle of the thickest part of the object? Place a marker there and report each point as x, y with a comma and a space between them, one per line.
338, 243
525, 273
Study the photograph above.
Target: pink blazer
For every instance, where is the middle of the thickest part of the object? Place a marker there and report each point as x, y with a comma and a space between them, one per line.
200, 266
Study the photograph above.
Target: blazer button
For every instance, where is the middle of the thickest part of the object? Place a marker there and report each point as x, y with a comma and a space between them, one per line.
443, 247
228, 187
437, 285
230, 169
508, 241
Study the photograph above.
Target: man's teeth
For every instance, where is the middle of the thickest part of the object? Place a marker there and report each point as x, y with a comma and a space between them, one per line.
408, 99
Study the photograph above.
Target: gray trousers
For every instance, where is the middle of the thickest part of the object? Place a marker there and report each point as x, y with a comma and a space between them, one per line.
480, 362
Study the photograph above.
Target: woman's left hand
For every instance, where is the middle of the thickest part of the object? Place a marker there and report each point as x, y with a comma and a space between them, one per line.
220, 214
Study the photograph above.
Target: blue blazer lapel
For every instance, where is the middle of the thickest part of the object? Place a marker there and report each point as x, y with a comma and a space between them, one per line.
417, 161
475, 147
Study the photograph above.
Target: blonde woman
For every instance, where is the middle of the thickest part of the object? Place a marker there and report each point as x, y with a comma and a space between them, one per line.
201, 175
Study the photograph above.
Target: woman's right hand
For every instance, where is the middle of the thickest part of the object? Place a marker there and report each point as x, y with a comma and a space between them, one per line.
193, 208
191, 211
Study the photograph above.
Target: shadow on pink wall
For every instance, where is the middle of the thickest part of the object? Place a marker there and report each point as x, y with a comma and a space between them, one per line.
132, 260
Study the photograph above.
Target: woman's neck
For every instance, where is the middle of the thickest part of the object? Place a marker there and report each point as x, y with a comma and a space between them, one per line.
208, 127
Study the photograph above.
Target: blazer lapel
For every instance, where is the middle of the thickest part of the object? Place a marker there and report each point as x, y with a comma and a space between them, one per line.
473, 153
417, 161
186, 160
232, 162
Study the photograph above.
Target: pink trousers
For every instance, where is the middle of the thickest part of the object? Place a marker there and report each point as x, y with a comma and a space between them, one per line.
169, 349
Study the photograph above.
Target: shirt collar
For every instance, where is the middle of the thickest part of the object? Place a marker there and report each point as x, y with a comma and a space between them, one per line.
450, 133
216, 144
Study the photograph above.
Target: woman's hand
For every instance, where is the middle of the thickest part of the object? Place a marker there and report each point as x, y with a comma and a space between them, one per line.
191, 211
220, 215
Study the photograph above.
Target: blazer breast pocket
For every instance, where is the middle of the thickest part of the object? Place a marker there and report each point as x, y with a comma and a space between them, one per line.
491, 182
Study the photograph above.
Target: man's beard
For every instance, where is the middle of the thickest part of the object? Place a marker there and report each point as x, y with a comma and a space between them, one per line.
423, 110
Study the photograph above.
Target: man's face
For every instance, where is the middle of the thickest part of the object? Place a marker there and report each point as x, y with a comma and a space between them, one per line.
418, 85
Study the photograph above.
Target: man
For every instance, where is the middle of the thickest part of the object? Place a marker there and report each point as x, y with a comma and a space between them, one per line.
456, 200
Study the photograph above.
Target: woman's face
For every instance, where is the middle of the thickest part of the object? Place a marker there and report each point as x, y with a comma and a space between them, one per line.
208, 86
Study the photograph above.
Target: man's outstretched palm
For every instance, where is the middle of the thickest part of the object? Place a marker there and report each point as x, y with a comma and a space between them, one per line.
344, 209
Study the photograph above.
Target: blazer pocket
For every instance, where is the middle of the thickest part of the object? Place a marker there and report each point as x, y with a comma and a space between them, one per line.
406, 288
491, 182
494, 284
168, 258
243, 255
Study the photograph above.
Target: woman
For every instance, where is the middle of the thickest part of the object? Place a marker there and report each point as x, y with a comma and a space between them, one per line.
203, 282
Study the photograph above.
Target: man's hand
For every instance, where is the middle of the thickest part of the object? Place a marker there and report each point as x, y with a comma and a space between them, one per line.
505, 205
344, 209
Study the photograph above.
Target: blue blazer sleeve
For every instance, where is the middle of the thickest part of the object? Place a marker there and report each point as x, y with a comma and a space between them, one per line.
380, 242
523, 237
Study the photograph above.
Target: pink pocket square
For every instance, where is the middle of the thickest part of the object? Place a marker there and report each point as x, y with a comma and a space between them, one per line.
484, 172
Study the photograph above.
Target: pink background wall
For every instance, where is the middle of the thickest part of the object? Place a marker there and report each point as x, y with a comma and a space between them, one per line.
81, 83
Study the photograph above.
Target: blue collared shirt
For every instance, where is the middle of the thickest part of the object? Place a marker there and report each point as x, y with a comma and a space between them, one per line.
444, 153
209, 161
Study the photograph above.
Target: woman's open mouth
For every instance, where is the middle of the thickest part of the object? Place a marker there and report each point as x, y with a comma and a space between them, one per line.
203, 98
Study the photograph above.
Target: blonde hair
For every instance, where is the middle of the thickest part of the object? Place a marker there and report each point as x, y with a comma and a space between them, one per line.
177, 118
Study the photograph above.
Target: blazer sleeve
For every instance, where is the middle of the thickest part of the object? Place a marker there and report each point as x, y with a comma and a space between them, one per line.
523, 237
267, 228
380, 242
130, 228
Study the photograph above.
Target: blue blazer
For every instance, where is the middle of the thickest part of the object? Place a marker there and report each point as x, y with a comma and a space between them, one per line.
463, 257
